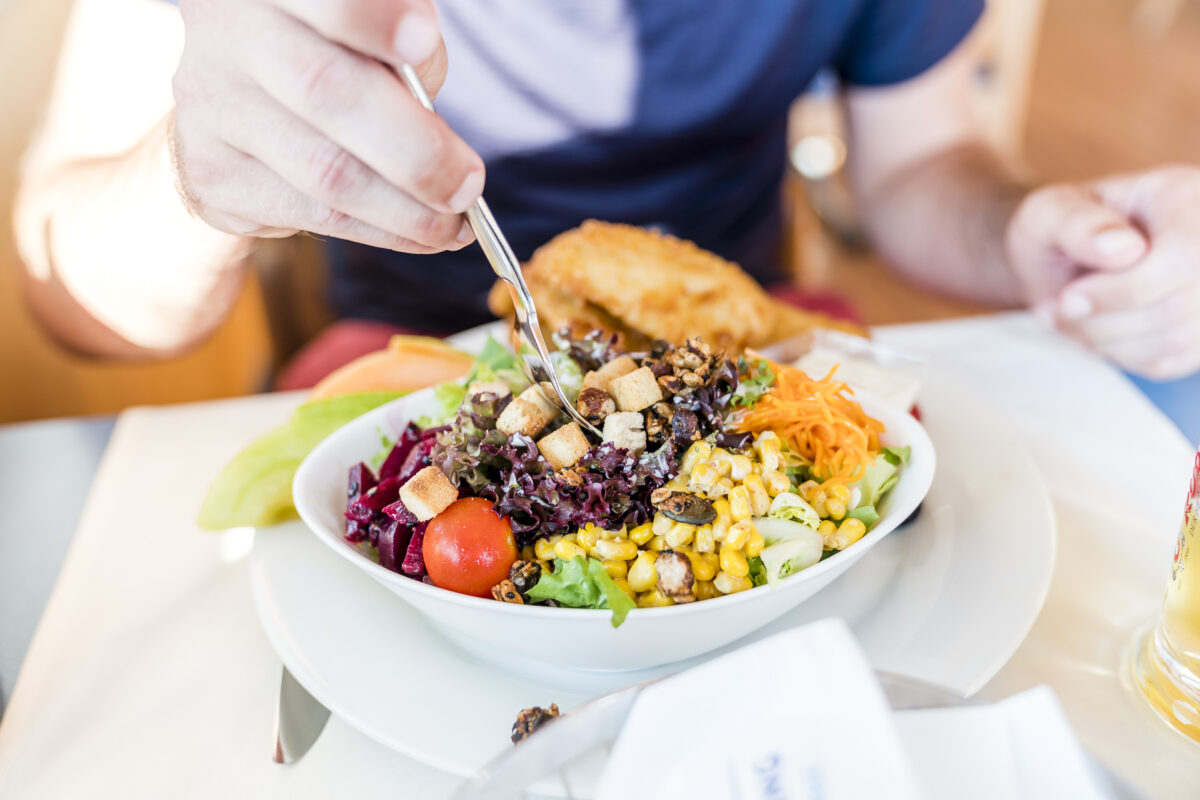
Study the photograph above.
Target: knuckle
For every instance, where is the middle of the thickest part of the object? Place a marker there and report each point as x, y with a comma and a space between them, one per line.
324, 80
430, 228
335, 173
327, 218
430, 171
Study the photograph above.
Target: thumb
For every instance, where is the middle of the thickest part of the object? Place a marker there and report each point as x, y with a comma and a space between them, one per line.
1089, 232
1060, 229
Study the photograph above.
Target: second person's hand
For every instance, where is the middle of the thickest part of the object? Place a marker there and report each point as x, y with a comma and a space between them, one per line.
289, 118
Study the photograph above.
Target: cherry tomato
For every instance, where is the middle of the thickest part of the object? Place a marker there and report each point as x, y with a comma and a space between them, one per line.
469, 548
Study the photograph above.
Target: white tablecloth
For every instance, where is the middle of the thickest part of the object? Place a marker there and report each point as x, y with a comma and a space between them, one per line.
148, 676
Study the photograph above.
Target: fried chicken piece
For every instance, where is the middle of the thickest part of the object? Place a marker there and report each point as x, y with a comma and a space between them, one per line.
646, 285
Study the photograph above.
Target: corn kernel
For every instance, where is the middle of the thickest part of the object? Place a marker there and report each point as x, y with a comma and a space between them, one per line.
705, 565
662, 523
739, 467
720, 488
849, 532
543, 549
657, 544
695, 454
734, 563
818, 501
739, 504
721, 506
680, 535
588, 536
654, 599
754, 544
527, 553
641, 534
624, 586
808, 489
839, 491
702, 478
567, 550
678, 483
704, 541
827, 528
738, 534
719, 460
641, 575
616, 569
616, 549
836, 508
729, 584
769, 449
760, 501
570, 537
776, 482
704, 590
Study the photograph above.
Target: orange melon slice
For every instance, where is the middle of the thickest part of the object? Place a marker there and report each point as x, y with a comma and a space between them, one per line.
409, 363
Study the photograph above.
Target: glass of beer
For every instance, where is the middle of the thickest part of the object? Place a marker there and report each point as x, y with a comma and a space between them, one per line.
1165, 666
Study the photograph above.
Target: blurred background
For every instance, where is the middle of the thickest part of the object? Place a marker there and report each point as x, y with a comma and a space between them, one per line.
1069, 89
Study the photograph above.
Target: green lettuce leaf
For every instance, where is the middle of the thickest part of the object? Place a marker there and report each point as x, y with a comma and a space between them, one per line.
582, 583
877, 480
255, 488
757, 381
792, 507
867, 515
449, 397
758, 572
896, 456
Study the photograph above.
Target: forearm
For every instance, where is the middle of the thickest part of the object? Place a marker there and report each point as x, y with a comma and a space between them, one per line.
114, 265
941, 222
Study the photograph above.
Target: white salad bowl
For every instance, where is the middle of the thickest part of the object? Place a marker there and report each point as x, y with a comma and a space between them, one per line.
505, 633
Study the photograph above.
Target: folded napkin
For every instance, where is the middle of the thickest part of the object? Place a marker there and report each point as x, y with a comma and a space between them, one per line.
801, 716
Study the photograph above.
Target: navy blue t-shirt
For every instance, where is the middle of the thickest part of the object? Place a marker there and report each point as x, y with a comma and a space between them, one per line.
669, 113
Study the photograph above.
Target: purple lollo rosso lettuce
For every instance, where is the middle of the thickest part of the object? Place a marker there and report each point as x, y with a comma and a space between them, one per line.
608, 487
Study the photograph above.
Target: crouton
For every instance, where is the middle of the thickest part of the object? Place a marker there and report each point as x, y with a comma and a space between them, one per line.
601, 378
496, 387
528, 413
428, 493
624, 429
564, 447
636, 391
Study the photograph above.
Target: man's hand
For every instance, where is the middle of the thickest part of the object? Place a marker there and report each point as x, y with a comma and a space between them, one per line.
1116, 264
289, 117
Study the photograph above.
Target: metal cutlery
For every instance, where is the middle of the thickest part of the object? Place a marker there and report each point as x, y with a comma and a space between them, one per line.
299, 720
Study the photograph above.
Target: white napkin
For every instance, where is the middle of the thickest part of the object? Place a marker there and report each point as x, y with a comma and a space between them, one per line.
1021, 747
798, 715
801, 716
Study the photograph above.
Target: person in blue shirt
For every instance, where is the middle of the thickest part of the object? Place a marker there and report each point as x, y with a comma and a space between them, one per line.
143, 194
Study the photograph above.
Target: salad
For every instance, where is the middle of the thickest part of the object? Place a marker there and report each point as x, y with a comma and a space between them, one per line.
714, 475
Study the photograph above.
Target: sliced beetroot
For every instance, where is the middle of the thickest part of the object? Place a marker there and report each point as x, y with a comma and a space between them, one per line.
392, 544
399, 512
361, 481
416, 460
365, 507
414, 559
404, 445
355, 531
375, 527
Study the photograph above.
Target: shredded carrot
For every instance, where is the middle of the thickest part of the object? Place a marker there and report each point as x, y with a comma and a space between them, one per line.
819, 421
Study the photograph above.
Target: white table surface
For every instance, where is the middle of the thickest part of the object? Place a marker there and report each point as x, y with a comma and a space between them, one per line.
148, 676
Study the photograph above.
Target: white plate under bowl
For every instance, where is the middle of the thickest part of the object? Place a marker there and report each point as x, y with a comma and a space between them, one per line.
945, 599
584, 638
